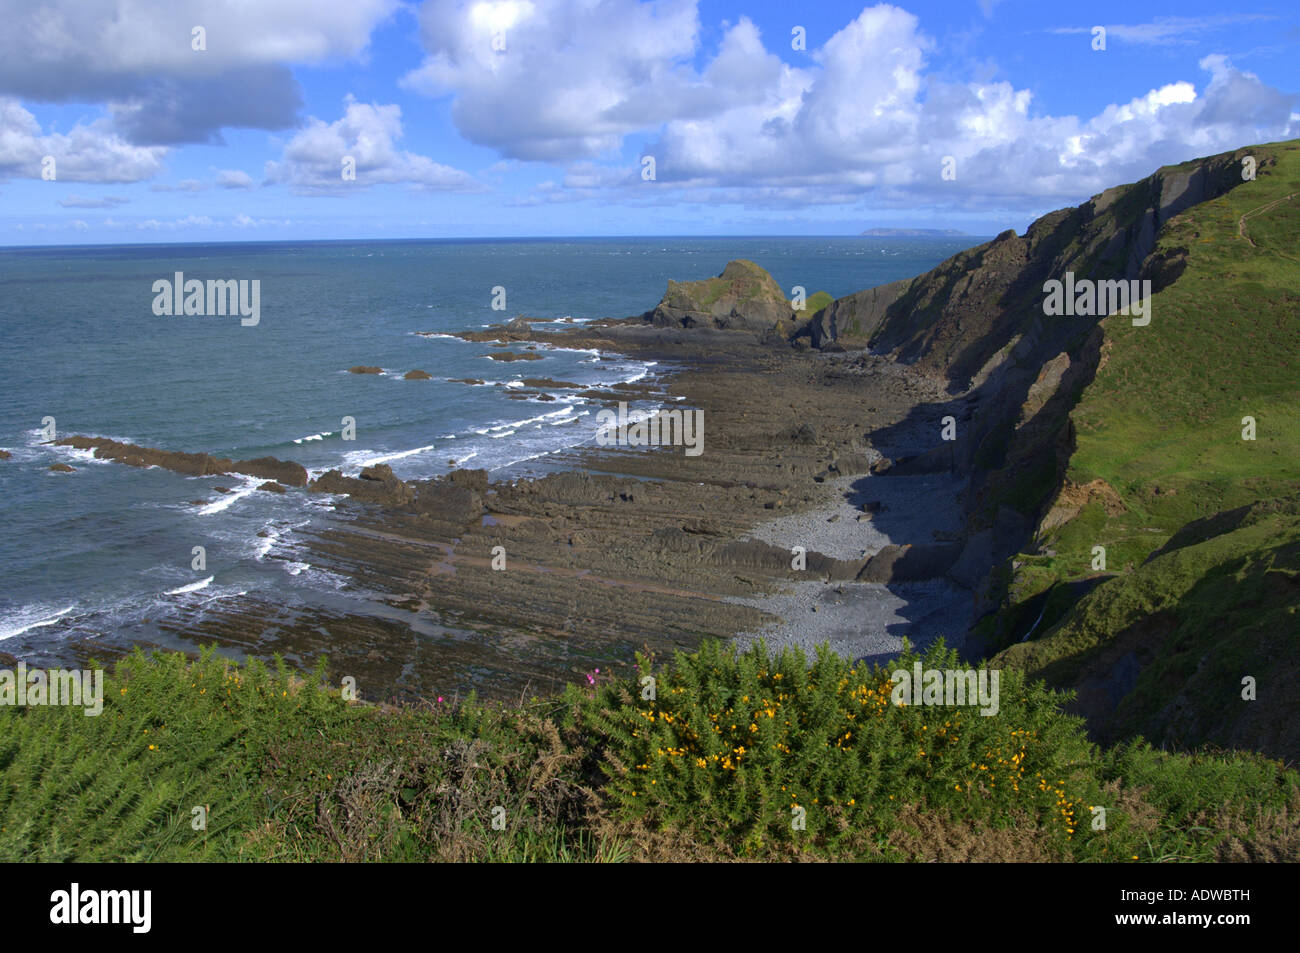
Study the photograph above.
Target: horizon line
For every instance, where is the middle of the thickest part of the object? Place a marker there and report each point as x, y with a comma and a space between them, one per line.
490, 238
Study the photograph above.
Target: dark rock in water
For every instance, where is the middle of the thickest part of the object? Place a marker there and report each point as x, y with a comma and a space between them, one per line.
545, 397
191, 464
5, 454
62, 468
270, 486
376, 484
473, 381
874, 506
365, 369
269, 468
221, 489
744, 297
417, 375
509, 356
546, 382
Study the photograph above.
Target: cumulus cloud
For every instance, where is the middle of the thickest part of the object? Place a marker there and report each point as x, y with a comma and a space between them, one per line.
139, 56
573, 78
864, 115
87, 153
234, 179
363, 141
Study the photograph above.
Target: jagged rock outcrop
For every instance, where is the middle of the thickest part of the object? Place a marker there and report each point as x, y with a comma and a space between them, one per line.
455, 499
744, 297
850, 321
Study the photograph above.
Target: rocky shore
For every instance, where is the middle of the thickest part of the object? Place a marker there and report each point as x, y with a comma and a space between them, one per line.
521, 586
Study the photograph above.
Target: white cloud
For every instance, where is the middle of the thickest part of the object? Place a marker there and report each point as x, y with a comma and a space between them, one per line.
234, 179
93, 153
313, 161
138, 57
574, 77
865, 115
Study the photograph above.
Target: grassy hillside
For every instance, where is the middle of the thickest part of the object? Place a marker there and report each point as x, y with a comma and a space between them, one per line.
1158, 451
716, 768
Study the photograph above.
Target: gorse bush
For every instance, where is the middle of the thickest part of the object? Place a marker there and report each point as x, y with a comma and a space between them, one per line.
735, 744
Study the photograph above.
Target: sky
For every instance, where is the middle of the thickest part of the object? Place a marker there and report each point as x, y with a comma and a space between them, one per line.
134, 121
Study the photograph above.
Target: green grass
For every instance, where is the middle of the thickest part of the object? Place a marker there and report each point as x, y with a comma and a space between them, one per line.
288, 771
1161, 424
814, 303
1162, 421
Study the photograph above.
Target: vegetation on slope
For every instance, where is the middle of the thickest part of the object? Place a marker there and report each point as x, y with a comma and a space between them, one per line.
718, 766
1159, 450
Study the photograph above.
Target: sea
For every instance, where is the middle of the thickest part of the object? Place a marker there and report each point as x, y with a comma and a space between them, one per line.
82, 351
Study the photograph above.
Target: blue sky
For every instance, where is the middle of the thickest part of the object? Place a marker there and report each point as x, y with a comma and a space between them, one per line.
536, 117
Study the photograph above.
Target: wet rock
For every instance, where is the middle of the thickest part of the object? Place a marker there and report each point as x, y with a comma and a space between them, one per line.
508, 356
269, 468
270, 486
546, 382
417, 375
365, 369
190, 464
62, 468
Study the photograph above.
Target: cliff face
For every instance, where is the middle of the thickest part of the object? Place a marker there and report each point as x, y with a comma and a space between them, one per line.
952, 321
977, 324
1129, 534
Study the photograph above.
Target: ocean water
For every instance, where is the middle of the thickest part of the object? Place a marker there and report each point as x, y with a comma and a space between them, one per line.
83, 552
